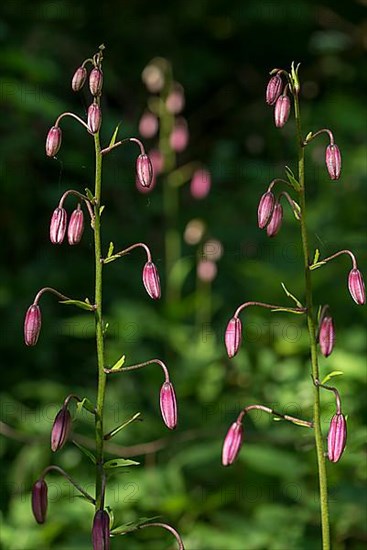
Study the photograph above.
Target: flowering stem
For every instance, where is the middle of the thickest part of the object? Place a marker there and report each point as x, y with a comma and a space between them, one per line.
141, 365
312, 337
100, 476
70, 479
268, 410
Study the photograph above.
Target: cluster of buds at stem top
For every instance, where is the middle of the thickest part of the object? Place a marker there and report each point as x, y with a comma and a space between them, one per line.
234, 437
326, 335
96, 82
233, 334
39, 500
53, 141
94, 118
60, 429
101, 530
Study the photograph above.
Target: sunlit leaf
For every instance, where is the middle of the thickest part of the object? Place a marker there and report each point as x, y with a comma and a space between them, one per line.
85, 451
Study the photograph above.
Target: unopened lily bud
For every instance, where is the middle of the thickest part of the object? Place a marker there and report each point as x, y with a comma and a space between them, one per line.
32, 325
60, 429
175, 101
265, 209
275, 221
200, 183
232, 443
282, 110
76, 226
148, 125
151, 280
333, 161
95, 81
167, 401
144, 170
356, 286
179, 137
39, 500
337, 437
101, 531
94, 118
78, 79
233, 336
58, 225
53, 141
273, 89
326, 335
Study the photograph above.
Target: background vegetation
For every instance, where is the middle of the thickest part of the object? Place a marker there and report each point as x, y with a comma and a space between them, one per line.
221, 52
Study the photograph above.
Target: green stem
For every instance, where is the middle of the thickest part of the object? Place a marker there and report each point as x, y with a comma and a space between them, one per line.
312, 338
100, 478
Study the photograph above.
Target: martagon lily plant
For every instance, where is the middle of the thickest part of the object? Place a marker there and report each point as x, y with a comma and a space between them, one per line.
283, 91
102, 524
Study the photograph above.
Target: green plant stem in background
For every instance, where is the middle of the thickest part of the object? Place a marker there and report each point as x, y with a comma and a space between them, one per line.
99, 328
312, 337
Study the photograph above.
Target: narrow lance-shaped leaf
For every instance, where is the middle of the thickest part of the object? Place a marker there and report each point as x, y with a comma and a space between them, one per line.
119, 463
295, 300
78, 303
85, 451
331, 375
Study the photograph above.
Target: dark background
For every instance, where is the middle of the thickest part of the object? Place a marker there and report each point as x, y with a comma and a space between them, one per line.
221, 52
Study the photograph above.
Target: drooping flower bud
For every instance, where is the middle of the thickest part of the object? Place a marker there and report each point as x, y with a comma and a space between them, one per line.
326, 335
273, 89
95, 81
58, 225
39, 500
78, 79
265, 209
60, 429
167, 401
232, 443
144, 170
333, 161
275, 221
76, 226
356, 286
282, 110
32, 325
94, 118
101, 530
200, 183
151, 280
337, 437
233, 336
53, 141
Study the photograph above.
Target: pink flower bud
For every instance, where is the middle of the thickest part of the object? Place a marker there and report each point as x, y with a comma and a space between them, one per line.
273, 89
60, 429
39, 500
144, 170
232, 443
58, 225
168, 405
337, 437
175, 101
148, 125
78, 80
206, 270
265, 209
95, 81
333, 161
282, 110
179, 137
200, 184
101, 531
151, 280
76, 226
32, 325
326, 335
356, 286
233, 336
275, 221
94, 118
53, 141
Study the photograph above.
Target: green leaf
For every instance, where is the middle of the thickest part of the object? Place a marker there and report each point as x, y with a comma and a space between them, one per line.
114, 135
331, 375
296, 210
89, 194
316, 256
86, 451
316, 265
295, 300
119, 363
131, 526
101, 210
308, 137
111, 514
119, 463
85, 404
122, 426
110, 250
78, 303
291, 178
105, 327
288, 310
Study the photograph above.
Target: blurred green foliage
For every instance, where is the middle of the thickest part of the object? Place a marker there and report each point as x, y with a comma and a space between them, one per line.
221, 52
